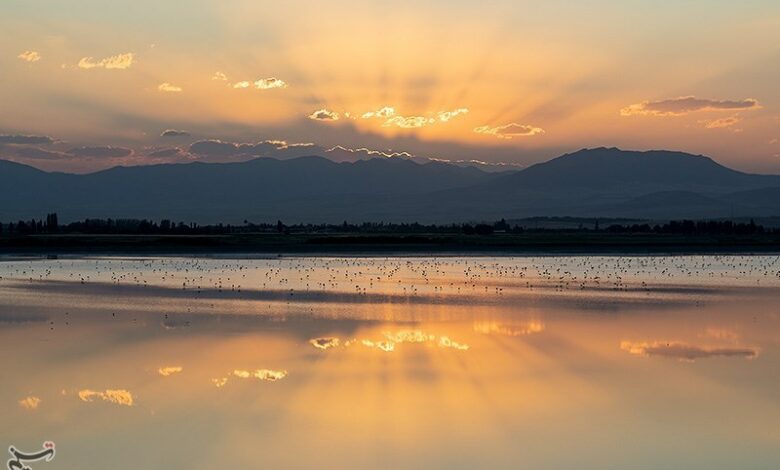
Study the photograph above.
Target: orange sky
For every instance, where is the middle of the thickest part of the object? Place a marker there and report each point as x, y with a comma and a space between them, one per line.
508, 81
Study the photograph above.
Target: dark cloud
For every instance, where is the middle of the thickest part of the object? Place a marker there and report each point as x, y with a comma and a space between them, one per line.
25, 139
21, 318
36, 153
169, 152
100, 152
222, 150
686, 352
214, 148
685, 105
174, 133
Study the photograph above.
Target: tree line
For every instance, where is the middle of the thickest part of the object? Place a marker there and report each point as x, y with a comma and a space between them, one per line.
121, 226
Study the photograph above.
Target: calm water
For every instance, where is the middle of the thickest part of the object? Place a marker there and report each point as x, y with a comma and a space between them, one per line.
303, 362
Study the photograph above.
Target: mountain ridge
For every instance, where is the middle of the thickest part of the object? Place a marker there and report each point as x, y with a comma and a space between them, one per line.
600, 181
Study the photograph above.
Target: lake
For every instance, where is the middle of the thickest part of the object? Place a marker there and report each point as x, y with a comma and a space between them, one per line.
393, 362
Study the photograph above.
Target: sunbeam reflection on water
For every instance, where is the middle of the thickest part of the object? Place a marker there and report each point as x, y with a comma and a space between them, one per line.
555, 362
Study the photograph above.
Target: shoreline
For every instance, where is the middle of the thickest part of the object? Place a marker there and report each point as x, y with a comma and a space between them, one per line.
391, 244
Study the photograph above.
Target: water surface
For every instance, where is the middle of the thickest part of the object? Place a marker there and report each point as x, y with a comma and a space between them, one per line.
405, 362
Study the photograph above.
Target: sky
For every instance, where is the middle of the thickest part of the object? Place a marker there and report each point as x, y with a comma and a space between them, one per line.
92, 84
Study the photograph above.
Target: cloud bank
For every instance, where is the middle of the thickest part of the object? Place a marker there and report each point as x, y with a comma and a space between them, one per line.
685, 105
509, 131
100, 152
35, 153
25, 139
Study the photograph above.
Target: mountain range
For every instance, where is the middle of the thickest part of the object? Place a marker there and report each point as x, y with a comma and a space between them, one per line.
600, 182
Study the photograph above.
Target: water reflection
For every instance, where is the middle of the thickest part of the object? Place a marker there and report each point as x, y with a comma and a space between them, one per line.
118, 397
686, 352
262, 374
508, 329
324, 343
219, 382
30, 403
386, 346
169, 370
447, 374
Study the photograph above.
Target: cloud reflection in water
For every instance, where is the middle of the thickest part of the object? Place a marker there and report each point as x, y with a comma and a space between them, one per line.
118, 397
685, 352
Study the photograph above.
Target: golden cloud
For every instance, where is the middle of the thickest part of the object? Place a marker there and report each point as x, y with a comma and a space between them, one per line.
388, 113
324, 115
219, 76
262, 374
29, 56
445, 116
270, 83
119, 62
510, 130
262, 84
385, 112
168, 88
686, 104
169, 370
364, 152
408, 122
722, 122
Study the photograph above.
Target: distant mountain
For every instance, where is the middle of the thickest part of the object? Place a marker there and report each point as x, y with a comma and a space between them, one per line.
617, 183
602, 182
630, 172
230, 192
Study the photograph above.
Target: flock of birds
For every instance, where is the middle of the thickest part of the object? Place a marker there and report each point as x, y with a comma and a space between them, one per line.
403, 276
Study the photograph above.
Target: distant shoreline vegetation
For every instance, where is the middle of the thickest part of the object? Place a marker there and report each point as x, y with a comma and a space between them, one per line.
564, 234
121, 226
